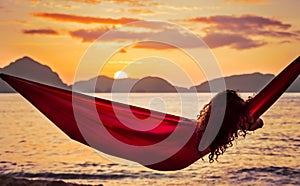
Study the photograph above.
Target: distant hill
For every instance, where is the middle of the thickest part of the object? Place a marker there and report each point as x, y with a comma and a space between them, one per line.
295, 87
106, 84
153, 84
243, 83
27, 68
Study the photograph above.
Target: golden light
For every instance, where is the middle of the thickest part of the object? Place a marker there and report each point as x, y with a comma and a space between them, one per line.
120, 75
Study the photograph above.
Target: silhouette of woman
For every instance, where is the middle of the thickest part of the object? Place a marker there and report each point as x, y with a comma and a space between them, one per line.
236, 122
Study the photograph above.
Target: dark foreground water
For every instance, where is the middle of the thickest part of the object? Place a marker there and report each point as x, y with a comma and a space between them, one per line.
32, 147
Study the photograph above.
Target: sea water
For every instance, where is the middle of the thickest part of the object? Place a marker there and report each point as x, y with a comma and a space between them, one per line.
32, 147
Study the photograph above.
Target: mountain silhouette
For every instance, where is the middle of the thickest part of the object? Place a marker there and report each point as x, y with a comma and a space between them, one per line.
243, 83
104, 84
153, 84
295, 87
28, 68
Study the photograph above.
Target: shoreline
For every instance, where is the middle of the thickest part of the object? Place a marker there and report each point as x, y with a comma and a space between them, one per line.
10, 180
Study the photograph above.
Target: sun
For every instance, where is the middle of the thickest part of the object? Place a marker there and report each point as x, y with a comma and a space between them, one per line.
120, 75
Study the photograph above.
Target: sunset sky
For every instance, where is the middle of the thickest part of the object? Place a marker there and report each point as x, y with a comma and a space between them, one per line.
245, 36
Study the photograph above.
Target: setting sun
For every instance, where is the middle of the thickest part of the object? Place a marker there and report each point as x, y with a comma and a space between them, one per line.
120, 75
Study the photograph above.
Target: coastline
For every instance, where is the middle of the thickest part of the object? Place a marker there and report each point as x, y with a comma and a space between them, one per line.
9, 180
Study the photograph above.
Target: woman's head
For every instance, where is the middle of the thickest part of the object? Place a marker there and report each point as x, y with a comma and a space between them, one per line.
235, 123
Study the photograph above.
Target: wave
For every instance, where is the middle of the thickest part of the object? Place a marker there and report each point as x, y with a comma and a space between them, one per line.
84, 176
287, 171
269, 175
70, 176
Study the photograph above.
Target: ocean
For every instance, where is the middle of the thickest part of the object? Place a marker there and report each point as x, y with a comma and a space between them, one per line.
33, 148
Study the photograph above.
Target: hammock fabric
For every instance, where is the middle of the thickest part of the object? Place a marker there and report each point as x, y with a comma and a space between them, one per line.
99, 123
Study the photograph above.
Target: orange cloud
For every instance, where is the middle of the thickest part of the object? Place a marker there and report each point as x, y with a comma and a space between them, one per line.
41, 31
123, 50
135, 2
249, 1
153, 45
215, 40
129, 2
241, 22
140, 11
184, 40
239, 32
250, 25
88, 35
85, 1
84, 19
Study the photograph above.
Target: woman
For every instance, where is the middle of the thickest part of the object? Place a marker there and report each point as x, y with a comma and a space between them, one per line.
236, 122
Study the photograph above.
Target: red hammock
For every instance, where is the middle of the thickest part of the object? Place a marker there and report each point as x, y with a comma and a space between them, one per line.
171, 145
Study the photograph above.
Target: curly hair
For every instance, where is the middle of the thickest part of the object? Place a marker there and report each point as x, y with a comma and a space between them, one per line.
233, 124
